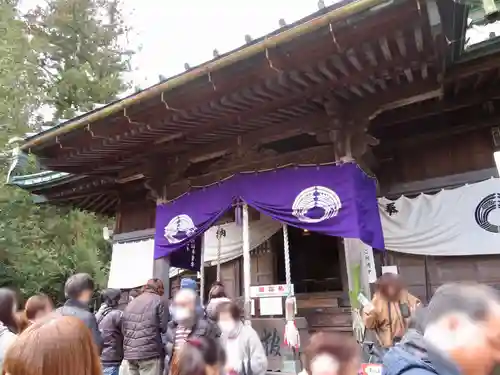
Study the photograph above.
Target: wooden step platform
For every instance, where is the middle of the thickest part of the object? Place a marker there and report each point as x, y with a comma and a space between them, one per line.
322, 312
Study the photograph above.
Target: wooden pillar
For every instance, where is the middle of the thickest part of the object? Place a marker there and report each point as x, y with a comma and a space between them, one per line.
162, 271
343, 267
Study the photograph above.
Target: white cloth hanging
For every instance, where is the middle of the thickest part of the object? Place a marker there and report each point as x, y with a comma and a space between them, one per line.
232, 244
132, 264
461, 221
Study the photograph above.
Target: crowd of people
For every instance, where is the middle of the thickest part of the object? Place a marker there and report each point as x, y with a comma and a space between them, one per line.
149, 336
457, 333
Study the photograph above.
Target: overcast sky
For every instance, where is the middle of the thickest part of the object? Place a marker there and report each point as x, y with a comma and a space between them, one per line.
173, 33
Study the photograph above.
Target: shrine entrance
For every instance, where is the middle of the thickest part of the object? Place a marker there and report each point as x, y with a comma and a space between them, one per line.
314, 260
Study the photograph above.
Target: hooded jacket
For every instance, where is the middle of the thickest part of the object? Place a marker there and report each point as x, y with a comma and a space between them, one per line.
6, 339
109, 321
413, 356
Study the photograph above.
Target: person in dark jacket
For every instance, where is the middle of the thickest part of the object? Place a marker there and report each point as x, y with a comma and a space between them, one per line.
186, 324
461, 335
78, 291
144, 321
109, 321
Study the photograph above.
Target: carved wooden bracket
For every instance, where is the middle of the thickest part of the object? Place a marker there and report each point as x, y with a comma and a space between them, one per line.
348, 132
160, 173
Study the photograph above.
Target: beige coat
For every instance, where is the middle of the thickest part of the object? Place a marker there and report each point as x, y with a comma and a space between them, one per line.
378, 319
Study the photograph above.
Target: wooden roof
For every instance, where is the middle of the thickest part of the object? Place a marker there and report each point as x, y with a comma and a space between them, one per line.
267, 104
372, 58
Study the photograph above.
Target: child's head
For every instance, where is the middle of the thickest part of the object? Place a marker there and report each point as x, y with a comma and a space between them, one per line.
203, 356
332, 354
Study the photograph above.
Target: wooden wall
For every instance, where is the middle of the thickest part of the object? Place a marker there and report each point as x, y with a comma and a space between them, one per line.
424, 274
135, 215
435, 158
441, 157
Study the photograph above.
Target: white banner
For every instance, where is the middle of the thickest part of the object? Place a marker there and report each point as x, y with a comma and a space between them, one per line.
131, 264
461, 221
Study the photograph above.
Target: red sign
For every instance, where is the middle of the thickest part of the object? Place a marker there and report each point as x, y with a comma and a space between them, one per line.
371, 369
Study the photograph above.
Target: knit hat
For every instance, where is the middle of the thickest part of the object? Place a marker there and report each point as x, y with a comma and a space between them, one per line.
188, 284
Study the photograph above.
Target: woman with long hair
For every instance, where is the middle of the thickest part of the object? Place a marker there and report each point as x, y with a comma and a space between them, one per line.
390, 309
8, 321
35, 308
56, 345
332, 354
200, 356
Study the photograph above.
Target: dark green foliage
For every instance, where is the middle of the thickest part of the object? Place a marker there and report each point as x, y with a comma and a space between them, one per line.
65, 55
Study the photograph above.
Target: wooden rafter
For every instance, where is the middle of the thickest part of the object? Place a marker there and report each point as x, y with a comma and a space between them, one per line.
274, 105
353, 80
308, 124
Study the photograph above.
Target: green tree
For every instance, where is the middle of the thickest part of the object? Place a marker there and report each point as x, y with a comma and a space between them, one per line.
19, 78
66, 55
81, 53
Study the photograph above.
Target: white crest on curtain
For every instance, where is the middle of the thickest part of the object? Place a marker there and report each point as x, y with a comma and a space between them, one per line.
461, 221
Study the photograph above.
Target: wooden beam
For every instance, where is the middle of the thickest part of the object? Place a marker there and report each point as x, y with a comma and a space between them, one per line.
442, 133
469, 68
430, 108
314, 155
307, 124
437, 183
370, 108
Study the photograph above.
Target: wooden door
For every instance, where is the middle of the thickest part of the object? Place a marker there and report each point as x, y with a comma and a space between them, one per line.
263, 268
230, 277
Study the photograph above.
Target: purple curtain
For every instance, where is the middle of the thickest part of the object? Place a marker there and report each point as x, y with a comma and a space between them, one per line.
189, 256
332, 200
369, 224
182, 220
335, 200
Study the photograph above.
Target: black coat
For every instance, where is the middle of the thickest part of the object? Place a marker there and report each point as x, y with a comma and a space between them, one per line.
109, 321
82, 312
144, 321
202, 328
